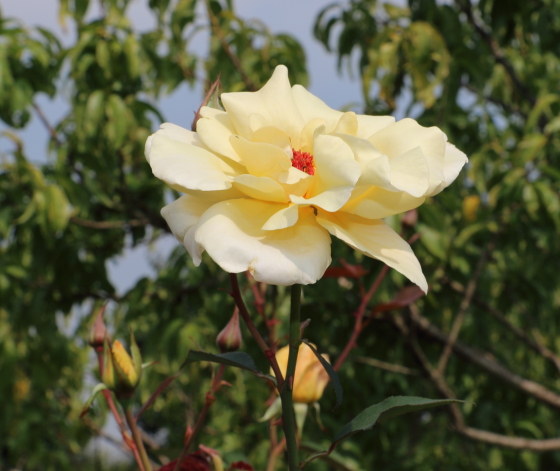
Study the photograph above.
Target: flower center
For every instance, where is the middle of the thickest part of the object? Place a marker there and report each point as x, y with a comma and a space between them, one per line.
303, 161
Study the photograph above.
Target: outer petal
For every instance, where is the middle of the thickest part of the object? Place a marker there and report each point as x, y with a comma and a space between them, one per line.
369, 125
312, 107
274, 102
377, 203
454, 162
175, 133
261, 160
182, 215
231, 232
311, 384
410, 172
183, 165
261, 188
214, 130
376, 239
336, 174
407, 134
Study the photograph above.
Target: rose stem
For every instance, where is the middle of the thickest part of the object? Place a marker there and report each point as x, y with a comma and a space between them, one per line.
269, 353
214, 388
358, 326
288, 417
131, 420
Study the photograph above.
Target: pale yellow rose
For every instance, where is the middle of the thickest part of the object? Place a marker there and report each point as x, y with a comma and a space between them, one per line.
267, 180
310, 378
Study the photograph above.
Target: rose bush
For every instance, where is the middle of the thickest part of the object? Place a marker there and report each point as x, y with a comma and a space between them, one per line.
267, 180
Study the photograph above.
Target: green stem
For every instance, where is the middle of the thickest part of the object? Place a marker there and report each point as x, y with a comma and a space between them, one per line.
131, 421
288, 417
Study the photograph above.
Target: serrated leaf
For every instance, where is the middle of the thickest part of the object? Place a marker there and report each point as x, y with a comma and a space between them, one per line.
387, 409
330, 371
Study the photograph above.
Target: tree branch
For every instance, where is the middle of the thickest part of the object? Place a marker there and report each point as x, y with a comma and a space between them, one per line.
234, 59
455, 412
466, 7
465, 304
483, 361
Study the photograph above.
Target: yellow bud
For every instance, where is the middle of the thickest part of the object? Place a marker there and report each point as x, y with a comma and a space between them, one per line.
470, 207
310, 378
124, 366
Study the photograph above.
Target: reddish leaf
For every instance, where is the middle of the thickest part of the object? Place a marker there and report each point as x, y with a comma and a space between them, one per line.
403, 298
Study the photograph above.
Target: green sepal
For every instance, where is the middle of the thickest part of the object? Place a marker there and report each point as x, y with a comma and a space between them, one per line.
98, 388
136, 356
109, 376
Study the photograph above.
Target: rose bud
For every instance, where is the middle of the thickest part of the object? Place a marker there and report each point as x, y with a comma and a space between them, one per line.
229, 339
310, 378
98, 332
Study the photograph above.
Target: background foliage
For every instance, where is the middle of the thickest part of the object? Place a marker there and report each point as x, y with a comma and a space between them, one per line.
487, 73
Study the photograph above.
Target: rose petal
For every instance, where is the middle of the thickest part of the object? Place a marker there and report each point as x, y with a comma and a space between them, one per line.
184, 166
347, 124
182, 215
375, 168
261, 188
175, 133
261, 160
286, 217
372, 202
376, 239
454, 162
369, 125
407, 134
231, 232
312, 108
274, 102
214, 129
410, 172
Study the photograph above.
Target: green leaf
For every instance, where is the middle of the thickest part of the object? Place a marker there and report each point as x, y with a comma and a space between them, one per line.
100, 387
330, 371
387, 409
58, 208
237, 359
94, 112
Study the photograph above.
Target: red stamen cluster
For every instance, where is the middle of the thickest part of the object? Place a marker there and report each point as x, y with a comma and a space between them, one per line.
303, 161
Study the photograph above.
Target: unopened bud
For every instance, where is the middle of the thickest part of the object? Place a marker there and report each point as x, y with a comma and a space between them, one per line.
229, 339
98, 332
410, 218
124, 366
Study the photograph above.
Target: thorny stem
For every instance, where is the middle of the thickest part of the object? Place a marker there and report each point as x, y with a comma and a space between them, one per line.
288, 416
131, 420
214, 388
269, 353
358, 324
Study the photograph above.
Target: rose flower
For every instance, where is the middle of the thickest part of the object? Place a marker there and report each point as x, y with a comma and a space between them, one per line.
267, 180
